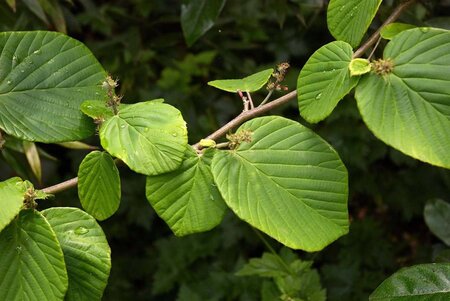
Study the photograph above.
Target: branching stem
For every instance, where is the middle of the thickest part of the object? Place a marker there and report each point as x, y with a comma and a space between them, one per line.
263, 107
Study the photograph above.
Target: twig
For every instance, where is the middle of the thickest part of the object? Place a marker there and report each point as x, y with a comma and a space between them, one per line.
61, 186
266, 99
374, 37
262, 108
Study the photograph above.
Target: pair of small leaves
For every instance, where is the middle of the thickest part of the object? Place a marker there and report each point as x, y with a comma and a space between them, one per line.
48, 256
407, 107
150, 137
287, 182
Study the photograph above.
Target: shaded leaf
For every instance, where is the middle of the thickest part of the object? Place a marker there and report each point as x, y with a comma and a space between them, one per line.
407, 104
12, 4
198, 16
77, 145
99, 185
187, 198
437, 217
324, 81
269, 265
86, 252
419, 282
32, 264
348, 20
392, 29
32, 154
11, 199
35, 7
287, 182
44, 78
250, 83
150, 137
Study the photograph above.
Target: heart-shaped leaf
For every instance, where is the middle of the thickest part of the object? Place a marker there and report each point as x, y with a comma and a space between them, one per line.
250, 83
416, 283
11, 199
187, 198
99, 185
31, 263
44, 78
324, 80
86, 252
150, 137
287, 182
405, 101
348, 20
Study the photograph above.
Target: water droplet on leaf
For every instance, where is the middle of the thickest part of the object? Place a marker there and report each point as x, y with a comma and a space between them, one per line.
318, 96
122, 126
81, 230
37, 52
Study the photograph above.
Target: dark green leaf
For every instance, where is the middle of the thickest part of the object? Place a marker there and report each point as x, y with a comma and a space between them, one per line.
86, 252
437, 217
99, 185
32, 264
198, 16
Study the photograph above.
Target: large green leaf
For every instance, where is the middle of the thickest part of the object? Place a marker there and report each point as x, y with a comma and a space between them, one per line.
86, 252
99, 185
198, 16
44, 77
31, 263
11, 200
287, 182
437, 217
348, 20
409, 107
324, 80
187, 198
417, 283
150, 137
250, 83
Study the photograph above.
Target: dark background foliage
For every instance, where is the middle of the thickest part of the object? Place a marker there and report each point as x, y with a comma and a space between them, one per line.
141, 43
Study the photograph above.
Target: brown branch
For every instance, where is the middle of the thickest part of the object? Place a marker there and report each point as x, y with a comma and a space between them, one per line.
374, 37
61, 186
246, 115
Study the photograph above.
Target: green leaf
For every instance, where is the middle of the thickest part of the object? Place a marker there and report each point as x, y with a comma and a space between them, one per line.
150, 137
187, 198
96, 109
11, 4
409, 107
269, 265
35, 7
419, 282
11, 199
44, 78
53, 9
32, 264
392, 29
437, 217
287, 182
324, 81
359, 67
250, 83
86, 252
348, 20
99, 185
32, 155
77, 145
198, 16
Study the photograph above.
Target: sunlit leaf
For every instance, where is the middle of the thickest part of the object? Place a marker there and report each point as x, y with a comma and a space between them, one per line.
348, 20
392, 29
11, 199
324, 81
405, 101
86, 252
287, 182
150, 137
250, 83
187, 198
32, 264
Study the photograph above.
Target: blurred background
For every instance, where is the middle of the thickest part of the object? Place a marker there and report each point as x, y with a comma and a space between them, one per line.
141, 43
